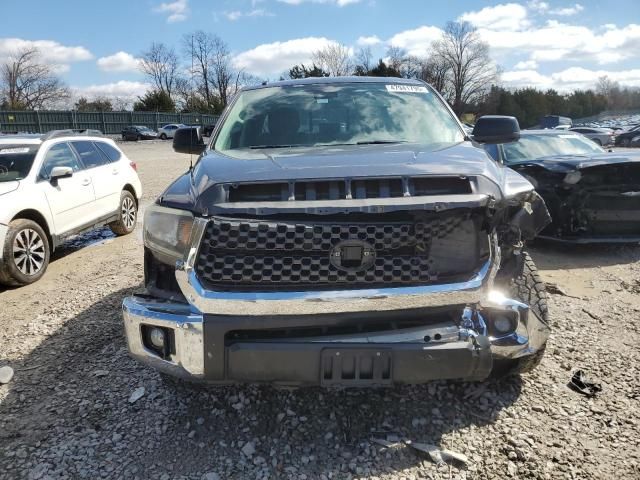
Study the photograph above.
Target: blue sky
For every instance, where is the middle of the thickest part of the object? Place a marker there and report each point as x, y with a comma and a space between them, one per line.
552, 43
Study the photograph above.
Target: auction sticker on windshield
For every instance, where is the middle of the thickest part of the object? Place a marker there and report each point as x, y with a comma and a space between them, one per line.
407, 89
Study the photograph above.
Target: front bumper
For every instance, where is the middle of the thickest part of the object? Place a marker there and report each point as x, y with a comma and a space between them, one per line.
203, 351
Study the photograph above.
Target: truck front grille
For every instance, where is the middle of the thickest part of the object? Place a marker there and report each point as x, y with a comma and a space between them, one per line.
263, 255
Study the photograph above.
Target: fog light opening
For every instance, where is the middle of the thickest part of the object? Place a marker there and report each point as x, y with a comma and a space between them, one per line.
157, 338
502, 324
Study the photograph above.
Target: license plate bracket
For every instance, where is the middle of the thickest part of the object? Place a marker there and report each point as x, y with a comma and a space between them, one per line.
356, 366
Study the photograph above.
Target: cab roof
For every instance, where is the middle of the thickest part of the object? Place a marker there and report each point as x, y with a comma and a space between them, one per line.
336, 80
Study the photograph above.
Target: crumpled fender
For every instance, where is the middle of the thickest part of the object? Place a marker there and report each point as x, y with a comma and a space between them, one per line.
532, 218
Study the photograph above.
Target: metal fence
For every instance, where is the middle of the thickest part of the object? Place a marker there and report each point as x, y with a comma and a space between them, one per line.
106, 122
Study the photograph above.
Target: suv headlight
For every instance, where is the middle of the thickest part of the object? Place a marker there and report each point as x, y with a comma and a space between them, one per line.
167, 232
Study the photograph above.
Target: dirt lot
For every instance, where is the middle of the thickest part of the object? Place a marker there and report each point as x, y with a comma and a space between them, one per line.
67, 414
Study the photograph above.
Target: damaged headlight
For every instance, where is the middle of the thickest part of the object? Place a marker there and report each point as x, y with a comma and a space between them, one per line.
572, 178
167, 232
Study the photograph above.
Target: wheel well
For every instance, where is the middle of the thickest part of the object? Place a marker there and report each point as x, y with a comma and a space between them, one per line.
129, 188
37, 217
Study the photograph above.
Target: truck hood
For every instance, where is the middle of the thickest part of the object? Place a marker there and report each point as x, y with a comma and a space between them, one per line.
194, 191
572, 163
7, 187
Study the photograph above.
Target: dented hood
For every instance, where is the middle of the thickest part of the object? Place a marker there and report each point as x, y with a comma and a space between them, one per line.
572, 163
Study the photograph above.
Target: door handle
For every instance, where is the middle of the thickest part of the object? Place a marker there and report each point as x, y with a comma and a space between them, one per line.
86, 182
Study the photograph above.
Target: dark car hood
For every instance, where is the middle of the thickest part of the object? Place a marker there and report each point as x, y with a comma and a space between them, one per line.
571, 163
338, 162
345, 161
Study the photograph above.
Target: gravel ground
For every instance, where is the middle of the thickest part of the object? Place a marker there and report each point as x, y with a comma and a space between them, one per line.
69, 412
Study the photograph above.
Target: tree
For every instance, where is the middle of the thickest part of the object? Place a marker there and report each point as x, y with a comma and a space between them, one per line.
160, 63
302, 71
27, 83
363, 61
96, 105
470, 69
383, 70
607, 88
225, 78
435, 71
155, 101
335, 59
198, 47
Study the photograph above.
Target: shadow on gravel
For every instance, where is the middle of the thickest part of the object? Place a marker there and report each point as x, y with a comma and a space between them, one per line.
550, 255
67, 411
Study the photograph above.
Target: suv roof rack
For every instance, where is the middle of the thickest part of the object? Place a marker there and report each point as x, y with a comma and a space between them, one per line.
72, 133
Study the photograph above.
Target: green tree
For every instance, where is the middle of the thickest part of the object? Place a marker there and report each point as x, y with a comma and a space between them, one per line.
96, 105
302, 71
155, 101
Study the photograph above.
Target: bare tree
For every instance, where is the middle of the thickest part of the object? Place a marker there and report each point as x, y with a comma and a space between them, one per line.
364, 61
435, 71
470, 67
335, 59
607, 88
160, 63
28, 83
198, 47
225, 78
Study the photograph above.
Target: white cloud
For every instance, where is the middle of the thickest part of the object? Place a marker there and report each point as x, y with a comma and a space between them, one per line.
274, 58
340, 3
526, 65
569, 79
124, 92
417, 41
503, 16
177, 10
537, 5
368, 41
119, 62
567, 11
238, 14
52, 52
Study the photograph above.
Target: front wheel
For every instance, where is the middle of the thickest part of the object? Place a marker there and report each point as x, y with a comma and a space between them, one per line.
527, 286
163, 136
127, 215
25, 253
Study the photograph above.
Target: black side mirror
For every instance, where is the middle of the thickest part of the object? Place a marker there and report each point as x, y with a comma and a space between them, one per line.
188, 140
496, 129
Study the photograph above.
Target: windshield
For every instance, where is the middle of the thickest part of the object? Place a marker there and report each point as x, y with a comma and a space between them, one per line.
339, 114
16, 161
536, 146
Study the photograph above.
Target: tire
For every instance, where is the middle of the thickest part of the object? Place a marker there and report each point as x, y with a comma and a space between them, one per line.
163, 136
25, 253
526, 286
127, 215
124, 138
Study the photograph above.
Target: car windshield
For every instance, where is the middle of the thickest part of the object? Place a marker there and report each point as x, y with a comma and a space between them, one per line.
536, 146
339, 114
16, 161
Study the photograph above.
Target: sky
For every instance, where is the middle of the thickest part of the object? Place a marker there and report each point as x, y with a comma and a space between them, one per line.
95, 45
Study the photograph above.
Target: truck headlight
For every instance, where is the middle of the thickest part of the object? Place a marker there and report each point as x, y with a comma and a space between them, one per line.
167, 231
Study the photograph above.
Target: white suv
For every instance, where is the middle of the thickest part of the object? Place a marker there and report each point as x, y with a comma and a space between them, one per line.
56, 185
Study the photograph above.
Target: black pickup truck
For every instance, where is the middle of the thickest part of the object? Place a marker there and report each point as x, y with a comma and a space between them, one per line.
341, 231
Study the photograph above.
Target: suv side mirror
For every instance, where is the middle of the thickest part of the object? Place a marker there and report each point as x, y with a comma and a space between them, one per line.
60, 172
188, 140
496, 129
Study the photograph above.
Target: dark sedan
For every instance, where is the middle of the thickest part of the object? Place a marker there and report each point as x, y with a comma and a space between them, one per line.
624, 138
138, 132
593, 195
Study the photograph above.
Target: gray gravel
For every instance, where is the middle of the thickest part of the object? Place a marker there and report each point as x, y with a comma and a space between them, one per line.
79, 407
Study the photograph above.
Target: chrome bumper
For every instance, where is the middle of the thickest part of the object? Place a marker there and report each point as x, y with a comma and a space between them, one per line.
195, 348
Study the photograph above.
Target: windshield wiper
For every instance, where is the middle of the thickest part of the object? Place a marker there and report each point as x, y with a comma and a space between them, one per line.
380, 142
260, 147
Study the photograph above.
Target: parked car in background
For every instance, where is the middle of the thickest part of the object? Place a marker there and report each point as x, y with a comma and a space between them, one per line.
554, 121
56, 185
168, 130
592, 195
341, 231
207, 130
138, 132
600, 136
624, 138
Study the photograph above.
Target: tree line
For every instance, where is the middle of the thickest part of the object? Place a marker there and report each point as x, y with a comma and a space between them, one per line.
199, 76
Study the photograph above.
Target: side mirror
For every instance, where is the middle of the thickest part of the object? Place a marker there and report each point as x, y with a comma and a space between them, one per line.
496, 129
60, 172
188, 140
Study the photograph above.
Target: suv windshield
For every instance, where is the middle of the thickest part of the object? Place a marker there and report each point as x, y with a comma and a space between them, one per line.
338, 114
536, 146
16, 161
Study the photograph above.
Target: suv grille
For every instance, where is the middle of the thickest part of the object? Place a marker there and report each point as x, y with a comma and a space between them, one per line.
260, 255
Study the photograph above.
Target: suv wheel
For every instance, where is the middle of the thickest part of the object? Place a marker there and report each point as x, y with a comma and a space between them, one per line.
127, 215
25, 253
163, 136
528, 287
